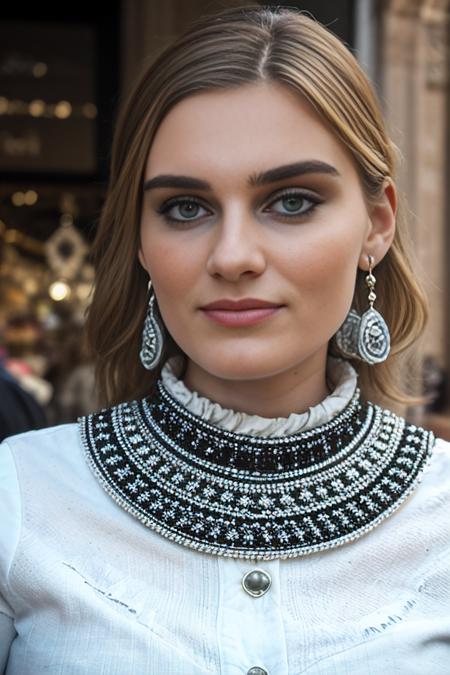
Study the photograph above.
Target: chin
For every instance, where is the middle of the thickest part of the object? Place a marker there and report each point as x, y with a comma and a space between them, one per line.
244, 368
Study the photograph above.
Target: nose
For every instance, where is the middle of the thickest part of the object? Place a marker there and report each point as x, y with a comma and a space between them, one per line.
237, 247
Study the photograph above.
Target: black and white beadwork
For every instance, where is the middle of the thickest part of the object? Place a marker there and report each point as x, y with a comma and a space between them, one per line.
243, 496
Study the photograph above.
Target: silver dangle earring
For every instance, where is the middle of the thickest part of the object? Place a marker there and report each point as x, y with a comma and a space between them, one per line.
152, 337
365, 338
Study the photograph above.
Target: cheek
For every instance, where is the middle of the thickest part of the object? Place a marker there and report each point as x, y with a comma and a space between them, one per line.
172, 267
324, 275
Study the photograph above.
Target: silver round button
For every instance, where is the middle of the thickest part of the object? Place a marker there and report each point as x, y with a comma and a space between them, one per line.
256, 670
256, 583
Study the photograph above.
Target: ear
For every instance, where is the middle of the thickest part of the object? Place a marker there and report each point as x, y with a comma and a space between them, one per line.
142, 259
381, 230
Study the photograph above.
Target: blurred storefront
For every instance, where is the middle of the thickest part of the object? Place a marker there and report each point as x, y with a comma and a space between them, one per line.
63, 73
58, 95
413, 78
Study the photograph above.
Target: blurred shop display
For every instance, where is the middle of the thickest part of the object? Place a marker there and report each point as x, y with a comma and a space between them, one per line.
435, 385
58, 94
46, 281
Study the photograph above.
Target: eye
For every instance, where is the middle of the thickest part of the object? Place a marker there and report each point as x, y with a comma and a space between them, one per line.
295, 204
188, 209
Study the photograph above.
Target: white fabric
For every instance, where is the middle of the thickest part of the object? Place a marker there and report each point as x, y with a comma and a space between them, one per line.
87, 588
340, 373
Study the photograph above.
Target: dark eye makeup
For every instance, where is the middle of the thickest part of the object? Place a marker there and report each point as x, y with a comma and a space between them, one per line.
294, 202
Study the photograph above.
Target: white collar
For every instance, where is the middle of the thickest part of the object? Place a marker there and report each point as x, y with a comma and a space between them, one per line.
341, 374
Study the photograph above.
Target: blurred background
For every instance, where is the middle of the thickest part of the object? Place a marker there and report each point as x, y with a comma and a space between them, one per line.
63, 73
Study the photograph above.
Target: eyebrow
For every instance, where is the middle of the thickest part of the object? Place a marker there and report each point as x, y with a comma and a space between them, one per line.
254, 180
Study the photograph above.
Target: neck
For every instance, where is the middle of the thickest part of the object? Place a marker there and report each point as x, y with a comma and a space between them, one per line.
278, 395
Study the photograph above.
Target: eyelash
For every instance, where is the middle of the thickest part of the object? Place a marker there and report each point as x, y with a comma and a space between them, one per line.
176, 201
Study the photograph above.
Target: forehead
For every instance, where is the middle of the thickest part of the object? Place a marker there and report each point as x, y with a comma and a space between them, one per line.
254, 125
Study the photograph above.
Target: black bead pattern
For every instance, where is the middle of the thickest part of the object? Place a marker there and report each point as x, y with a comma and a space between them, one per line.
253, 497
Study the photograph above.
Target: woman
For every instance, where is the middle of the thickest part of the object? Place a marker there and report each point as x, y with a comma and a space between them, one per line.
243, 503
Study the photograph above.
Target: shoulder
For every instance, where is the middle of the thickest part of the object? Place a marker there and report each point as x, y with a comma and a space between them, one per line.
431, 496
61, 436
58, 450
442, 449
38, 452
428, 512
60, 440
439, 465
435, 470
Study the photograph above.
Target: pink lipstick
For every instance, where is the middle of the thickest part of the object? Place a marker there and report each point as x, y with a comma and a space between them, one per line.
245, 312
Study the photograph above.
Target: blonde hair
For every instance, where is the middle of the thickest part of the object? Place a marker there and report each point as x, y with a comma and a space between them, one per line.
230, 48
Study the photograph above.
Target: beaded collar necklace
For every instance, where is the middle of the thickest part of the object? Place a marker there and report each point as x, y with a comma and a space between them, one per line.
253, 497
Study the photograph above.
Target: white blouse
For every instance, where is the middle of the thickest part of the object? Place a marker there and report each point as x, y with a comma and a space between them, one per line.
87, 588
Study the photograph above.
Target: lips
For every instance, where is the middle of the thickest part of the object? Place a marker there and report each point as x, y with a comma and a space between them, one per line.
240, 305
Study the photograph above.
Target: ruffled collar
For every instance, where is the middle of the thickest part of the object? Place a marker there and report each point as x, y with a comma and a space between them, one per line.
340, 373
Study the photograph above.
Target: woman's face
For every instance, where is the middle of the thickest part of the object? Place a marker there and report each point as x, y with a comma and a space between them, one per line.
238, 226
